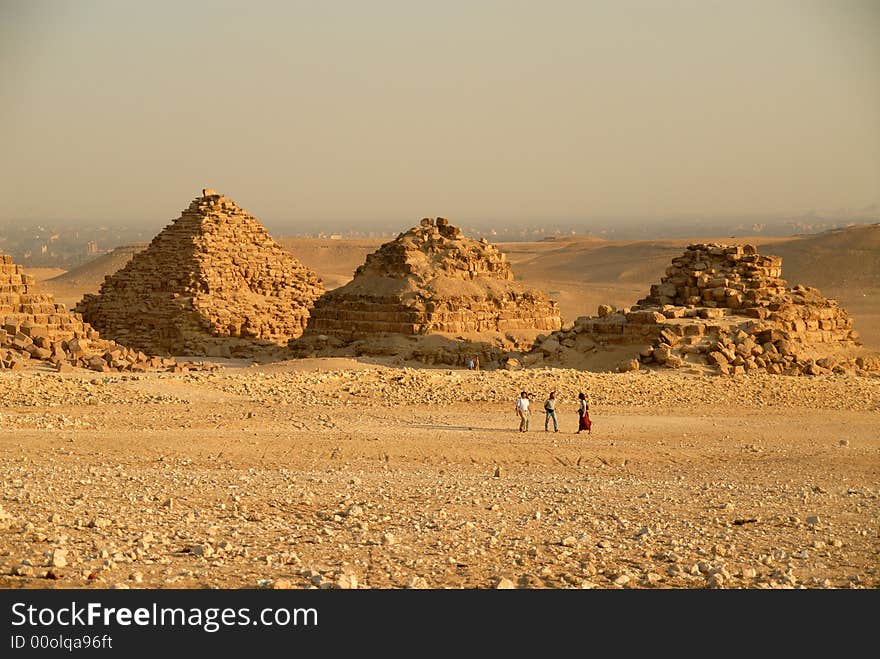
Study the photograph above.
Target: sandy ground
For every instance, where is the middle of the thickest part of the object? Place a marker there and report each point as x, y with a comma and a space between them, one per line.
334, 473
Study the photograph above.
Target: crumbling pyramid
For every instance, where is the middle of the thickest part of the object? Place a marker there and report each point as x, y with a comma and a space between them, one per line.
213, 282
37, 327
718, 276
727, 307
431, 279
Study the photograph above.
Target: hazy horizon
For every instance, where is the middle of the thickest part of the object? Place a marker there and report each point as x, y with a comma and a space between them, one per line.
305, 112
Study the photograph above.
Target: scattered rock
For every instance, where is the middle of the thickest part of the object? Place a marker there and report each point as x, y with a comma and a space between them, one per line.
58, 558
715, 580
202, 551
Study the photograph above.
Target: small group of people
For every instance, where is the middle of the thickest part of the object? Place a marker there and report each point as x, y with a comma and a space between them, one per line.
523, 403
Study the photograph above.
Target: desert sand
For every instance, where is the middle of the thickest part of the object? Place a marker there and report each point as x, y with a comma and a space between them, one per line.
335, 473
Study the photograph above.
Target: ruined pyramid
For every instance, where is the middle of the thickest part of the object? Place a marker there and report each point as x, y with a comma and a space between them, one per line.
431, 279
725, 307
213, 282
36, 327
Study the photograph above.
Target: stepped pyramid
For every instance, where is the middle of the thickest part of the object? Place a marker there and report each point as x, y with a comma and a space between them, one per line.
36, 327
431, 279
726, 307
213, 282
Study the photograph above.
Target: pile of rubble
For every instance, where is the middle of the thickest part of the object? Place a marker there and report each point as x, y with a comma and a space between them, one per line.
431, 279
211, 283
35, 327
725, 307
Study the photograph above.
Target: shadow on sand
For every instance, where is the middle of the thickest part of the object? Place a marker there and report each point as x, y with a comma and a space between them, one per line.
429, 426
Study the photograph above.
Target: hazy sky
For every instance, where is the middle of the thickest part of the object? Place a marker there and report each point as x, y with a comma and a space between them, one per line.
122, 111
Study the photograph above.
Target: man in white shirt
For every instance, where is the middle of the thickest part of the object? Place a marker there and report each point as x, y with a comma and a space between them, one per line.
522, 408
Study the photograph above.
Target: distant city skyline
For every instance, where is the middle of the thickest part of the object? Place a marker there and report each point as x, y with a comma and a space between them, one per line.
491, 111
66, 245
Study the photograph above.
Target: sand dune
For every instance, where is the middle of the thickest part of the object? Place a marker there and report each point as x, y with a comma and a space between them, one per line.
835, 259
42, 274
69, 287
92, 273
334, 260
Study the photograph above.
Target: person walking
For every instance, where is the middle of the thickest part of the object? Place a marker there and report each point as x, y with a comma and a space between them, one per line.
522, 409
584, 422
550, 412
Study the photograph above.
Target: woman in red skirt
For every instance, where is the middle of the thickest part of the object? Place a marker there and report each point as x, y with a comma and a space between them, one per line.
584, 422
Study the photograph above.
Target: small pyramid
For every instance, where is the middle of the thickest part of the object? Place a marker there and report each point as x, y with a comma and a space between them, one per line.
213, 282
726, 307
432, 279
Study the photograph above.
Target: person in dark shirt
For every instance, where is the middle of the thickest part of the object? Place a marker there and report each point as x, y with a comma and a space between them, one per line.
550, 412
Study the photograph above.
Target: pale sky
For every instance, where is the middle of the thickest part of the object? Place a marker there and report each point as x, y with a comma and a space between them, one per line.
121, 111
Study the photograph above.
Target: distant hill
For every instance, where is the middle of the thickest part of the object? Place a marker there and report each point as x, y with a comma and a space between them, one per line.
833, 259
69, 287
90, 275
592, 260
334, 260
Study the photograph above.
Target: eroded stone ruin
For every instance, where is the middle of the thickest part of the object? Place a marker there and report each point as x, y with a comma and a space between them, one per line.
726, 307
432, 279
213, 282
35, 327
